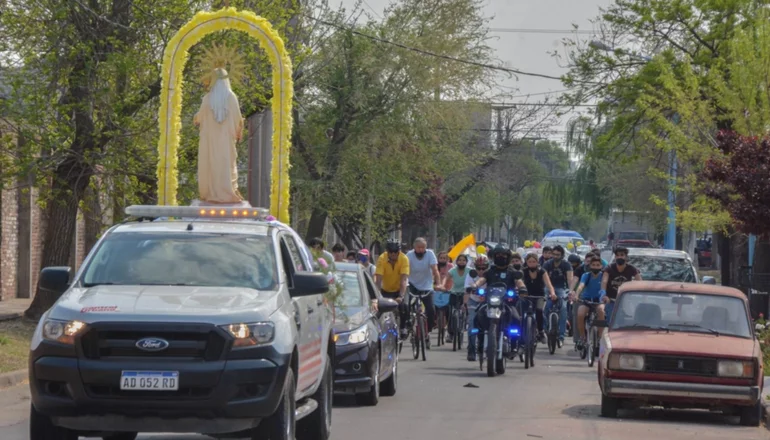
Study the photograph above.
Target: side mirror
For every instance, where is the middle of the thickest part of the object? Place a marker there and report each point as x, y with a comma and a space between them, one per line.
385, 305
308, 284
601, 323
709, 280
55, 279
473, 273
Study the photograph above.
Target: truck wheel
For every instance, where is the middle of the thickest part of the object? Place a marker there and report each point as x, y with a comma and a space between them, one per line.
318, 425
121, 436
752, 415
281, 425
41, 428
610, 407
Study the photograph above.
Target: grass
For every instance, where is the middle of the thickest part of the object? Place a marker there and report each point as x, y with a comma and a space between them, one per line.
15, 336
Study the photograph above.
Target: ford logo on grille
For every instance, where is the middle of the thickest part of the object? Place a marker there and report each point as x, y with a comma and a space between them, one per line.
152, 344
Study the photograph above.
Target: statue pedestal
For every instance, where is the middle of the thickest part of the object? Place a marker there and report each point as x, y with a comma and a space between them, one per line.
243, 204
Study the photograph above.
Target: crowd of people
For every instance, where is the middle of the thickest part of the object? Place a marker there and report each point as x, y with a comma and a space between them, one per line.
572, 285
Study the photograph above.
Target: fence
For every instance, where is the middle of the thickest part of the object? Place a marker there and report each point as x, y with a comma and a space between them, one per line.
757, 287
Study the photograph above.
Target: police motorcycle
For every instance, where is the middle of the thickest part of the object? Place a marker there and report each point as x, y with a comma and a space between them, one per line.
493, 320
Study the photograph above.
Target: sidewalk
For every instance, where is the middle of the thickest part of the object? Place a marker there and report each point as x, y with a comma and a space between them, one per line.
13, 308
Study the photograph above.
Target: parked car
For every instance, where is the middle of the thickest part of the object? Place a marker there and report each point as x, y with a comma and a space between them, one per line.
664, 265
366, 334
681, 345
583, 250
211, 325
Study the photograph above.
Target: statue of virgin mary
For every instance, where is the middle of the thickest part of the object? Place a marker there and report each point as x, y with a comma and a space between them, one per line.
221, 126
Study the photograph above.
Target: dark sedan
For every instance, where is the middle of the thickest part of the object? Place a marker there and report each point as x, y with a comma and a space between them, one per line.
366, 334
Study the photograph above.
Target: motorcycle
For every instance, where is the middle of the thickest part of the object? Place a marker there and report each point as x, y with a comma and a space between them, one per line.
493, 321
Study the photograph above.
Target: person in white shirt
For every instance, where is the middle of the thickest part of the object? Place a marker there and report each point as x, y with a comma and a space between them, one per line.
424, 277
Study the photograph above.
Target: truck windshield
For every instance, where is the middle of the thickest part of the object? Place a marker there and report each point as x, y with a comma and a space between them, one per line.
212, 260
682, 312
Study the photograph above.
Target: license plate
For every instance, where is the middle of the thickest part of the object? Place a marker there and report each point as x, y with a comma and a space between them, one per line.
494, 313
149, 380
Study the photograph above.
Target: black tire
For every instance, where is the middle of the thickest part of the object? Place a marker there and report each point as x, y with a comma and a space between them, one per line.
441, 329
42, 428
282, 424
424, 335
455, 326
533, 342
318, 425
121, 436
527, 343
553, 332
500, 363
390, 385
752, 415
491, 348
591, 346
416, 343
610, 407
372, 397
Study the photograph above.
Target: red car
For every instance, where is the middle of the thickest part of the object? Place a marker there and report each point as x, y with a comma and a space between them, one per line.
681, 345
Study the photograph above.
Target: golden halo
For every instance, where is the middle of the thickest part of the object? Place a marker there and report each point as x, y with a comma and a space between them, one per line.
221, 56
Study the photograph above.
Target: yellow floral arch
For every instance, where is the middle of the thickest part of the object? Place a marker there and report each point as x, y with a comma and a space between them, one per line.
174, 60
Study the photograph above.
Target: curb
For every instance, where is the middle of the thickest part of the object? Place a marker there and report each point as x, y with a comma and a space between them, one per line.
10, 316
13, 378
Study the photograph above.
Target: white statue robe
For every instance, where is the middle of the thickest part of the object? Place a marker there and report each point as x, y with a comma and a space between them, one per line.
217, 167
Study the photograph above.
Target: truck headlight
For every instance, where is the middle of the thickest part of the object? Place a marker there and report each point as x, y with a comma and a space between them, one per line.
63, 332
356, 336
735, 368
629, 362
249, 335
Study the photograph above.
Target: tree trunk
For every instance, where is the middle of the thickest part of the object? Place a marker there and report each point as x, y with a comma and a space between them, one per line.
739, 253
317, 223
92, 216
689, 238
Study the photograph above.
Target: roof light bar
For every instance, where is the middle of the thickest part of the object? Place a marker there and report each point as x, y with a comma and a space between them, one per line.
153, 211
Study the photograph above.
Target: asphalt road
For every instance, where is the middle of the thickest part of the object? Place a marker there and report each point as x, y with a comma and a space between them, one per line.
558, 399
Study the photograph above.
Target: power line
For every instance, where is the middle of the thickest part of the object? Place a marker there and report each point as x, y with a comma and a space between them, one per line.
541, 31
436, 55
372, 9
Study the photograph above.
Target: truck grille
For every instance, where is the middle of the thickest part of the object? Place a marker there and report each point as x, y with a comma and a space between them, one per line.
681, 365
103, 391
185, 341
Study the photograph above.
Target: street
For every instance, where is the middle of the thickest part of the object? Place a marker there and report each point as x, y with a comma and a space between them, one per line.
558, 399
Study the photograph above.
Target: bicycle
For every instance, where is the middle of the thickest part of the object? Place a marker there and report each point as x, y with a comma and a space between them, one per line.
418, 324
553, 326
441, 301
528, 330
458, 319
590, 348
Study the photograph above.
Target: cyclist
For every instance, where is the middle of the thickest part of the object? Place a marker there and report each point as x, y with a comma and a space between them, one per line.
591, 289
424, 279
363, 259
456, 283
516, 262
501, 272
615, 275
537, 281
560, 273
338, 250
546, 255
578, 269
441, 297
473, 300
392, 278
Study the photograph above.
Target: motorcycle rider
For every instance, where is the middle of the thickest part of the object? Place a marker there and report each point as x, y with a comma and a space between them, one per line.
472, 299
392, 278
560, 273
501, 272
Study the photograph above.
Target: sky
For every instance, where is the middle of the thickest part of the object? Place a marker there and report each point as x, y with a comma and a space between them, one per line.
528, 51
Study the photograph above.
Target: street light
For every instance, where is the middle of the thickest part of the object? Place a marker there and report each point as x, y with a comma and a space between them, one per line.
670, 240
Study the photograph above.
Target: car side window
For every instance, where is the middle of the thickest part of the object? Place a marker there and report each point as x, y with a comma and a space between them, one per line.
294, 253
370, 286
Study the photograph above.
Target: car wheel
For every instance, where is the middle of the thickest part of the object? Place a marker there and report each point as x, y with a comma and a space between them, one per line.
389, 385
372, 398
610, 406
121, 436
282, 424
751, 415
318, 425
41, 428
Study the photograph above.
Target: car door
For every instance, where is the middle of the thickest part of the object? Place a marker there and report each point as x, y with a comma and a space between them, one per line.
308, 310
388, 326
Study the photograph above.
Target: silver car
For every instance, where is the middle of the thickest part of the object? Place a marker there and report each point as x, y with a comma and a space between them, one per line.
665, 265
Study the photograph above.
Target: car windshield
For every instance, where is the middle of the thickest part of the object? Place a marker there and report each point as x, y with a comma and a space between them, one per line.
655, 268
632, 236
214, 260
724, 315
351, 290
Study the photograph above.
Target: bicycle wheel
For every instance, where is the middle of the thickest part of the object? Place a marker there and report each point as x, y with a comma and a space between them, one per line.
454, 325
591, 346
441, 328
416, 338
423, 333
532, 330
527, 343
553, 329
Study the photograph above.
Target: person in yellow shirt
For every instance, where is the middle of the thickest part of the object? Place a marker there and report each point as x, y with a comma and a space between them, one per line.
392, 277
